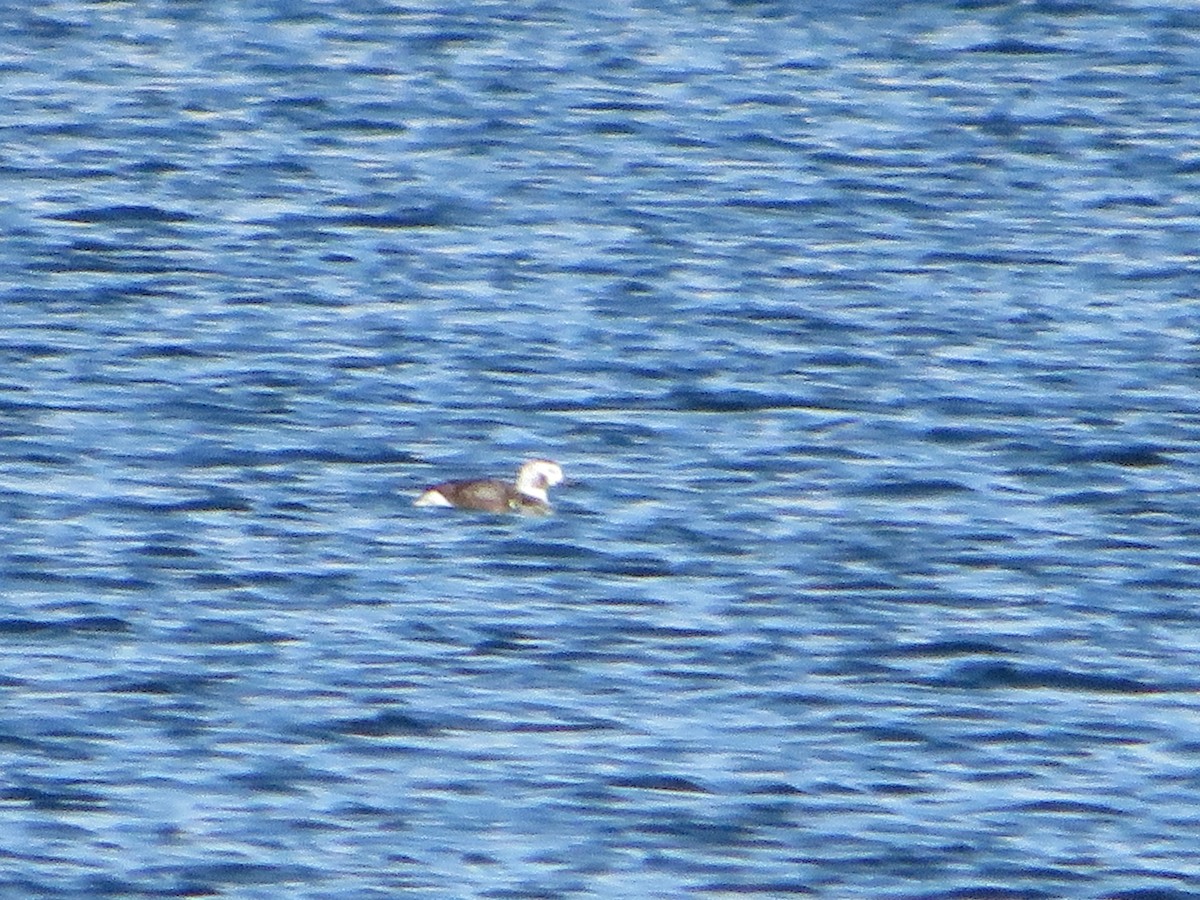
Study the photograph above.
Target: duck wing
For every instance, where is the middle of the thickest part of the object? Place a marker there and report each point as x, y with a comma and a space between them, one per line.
485, 494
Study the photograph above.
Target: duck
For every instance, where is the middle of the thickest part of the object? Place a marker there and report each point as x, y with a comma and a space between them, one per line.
528, 494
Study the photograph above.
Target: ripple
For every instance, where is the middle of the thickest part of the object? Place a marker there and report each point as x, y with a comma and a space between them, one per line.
669, 783
123, 214
866, 335
56, 629
991, 675
911, 489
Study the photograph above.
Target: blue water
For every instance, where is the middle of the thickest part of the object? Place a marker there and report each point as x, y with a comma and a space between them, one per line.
868, 338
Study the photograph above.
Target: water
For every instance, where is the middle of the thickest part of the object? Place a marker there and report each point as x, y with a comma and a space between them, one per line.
867, 339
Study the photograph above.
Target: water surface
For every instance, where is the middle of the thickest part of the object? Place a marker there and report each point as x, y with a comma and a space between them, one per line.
866, 337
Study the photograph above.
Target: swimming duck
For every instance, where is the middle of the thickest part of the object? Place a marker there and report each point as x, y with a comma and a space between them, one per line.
527, 495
